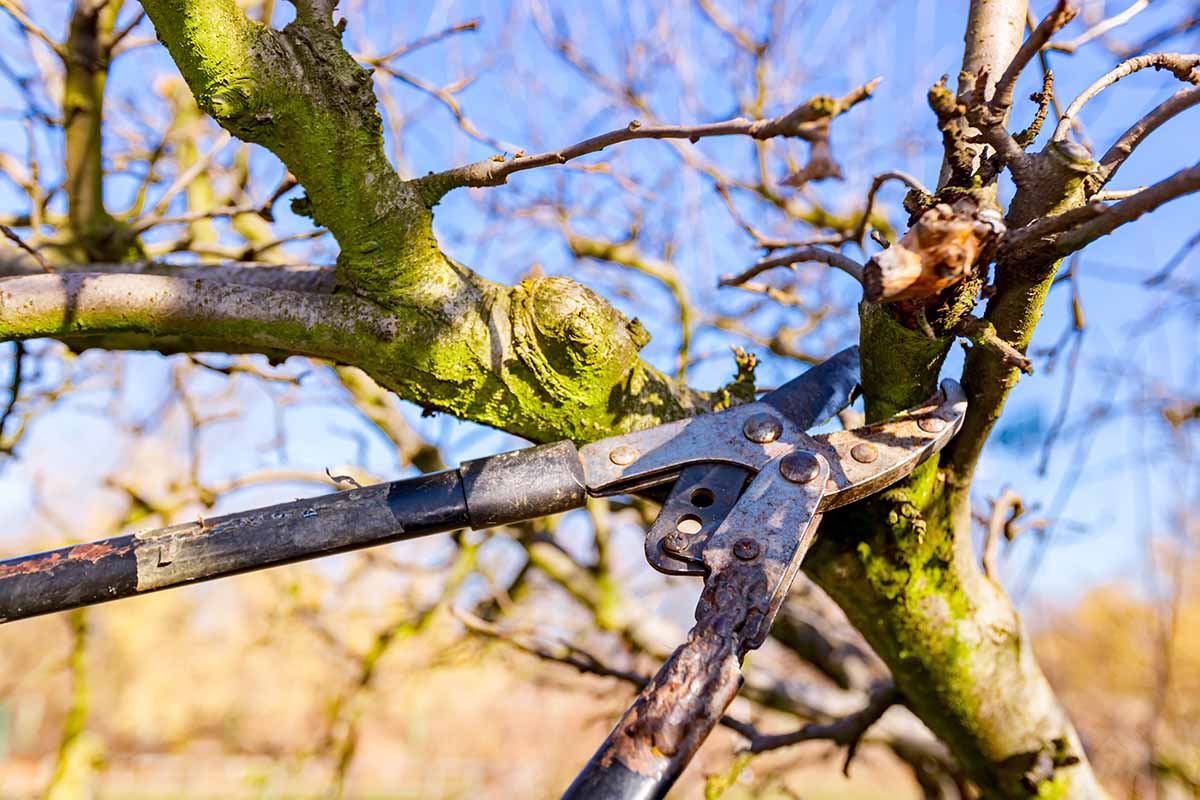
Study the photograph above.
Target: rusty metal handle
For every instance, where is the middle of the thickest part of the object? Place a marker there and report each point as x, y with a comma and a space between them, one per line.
656, 738
672, 716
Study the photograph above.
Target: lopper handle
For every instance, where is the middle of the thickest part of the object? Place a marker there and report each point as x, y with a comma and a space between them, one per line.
676, 711
505, 488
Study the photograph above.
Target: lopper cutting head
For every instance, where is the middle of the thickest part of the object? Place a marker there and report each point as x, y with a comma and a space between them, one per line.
749, 483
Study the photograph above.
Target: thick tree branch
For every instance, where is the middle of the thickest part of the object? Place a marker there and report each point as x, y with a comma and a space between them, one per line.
203, 314
298, 93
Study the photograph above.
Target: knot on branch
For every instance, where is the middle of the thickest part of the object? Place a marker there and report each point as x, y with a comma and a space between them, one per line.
570, 337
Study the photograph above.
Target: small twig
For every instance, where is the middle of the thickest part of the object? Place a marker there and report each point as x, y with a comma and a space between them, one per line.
1002, 96
1115, 194
847, 731
22, 19
1001, 522
1044, 99
1112, 160
190, 174
876, 184
983, 333
14, 390
789, 259
1181, 65
425, 41
12, 236
1175, 260
1100, 28
760, 240
118, 36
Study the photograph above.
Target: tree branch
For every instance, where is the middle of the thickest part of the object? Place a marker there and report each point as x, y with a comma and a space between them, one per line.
1002, 96
847, 731
203, 314
1184, 182
804, 122
818, 254
1112, 160
1100, 28
1181, 65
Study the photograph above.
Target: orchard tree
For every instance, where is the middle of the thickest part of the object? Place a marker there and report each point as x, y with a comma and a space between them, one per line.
545, 357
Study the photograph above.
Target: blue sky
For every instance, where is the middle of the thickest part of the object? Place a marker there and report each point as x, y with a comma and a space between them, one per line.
1138, 347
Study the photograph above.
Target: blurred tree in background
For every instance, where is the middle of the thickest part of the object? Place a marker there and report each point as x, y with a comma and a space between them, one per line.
183, 344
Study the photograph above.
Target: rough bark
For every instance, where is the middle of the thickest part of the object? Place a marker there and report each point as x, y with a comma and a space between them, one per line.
903, 566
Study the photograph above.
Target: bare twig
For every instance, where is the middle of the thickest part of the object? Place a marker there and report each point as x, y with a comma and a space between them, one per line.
983, 333
12, 236
880, 180
1100, 28
1181, 65
804, 122
1112, 217
1044, 99
1002, 96
425, 41
1175, 260
14, 389
17, 13
1001, 522
790, 258
847, 731
1112, 160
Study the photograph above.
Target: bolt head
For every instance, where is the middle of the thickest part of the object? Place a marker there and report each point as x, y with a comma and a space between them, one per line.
762, 428
675, 543
623, 455
746, 549
864, 453
799, 466
932, 424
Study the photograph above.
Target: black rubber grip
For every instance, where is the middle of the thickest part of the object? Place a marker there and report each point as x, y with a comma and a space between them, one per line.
523, 484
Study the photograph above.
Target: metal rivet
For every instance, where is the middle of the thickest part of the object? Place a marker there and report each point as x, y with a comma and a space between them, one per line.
762, 428
675, 543
799, 466
746, 549
864, 453
932, 424
623, 455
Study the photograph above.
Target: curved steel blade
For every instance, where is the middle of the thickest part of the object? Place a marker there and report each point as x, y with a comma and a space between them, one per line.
818, 394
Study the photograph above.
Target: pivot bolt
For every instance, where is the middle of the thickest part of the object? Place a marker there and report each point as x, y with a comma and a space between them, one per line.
675, 543
746, 549
864, 453
932, 424
799, 466
762, 428
623, 455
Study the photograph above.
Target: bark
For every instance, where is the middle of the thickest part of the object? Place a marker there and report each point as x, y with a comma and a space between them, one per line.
902, 565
